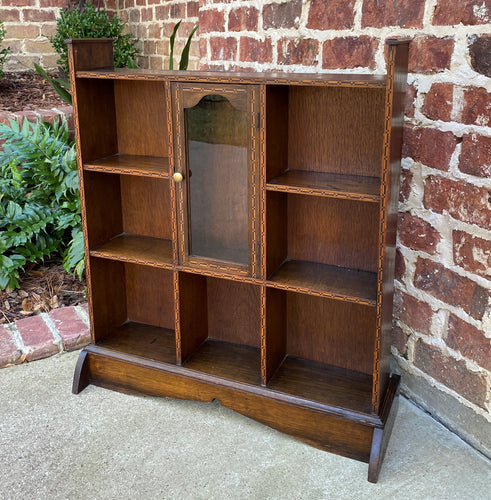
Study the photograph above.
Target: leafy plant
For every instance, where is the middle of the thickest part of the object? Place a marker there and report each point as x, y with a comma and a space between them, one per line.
183, 64
90, 21
61, 86
5, 51
39, 199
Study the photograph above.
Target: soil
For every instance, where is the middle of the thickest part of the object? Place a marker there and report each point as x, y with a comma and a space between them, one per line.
44, 286
27, 91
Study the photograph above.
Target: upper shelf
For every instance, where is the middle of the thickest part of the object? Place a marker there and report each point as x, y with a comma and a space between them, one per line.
349, 187
270, 78
144, 166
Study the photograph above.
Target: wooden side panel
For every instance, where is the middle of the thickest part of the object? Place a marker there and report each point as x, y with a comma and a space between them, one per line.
146, 206
330, 331
276, 231
338, 232
391, 166
141, 118
233, 312
150, 295
276, 329
276, 130
336, 130
193, 314
102, 212
108, 297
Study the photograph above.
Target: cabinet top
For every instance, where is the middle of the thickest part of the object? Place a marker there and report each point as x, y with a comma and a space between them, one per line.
270, 78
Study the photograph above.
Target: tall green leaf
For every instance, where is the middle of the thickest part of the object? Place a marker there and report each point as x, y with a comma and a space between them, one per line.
185, 52
171, 42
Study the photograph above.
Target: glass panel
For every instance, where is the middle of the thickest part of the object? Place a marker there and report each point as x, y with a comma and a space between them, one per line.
217, 179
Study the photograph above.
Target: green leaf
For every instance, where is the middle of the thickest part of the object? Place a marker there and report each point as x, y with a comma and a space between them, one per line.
185, 52
171, 42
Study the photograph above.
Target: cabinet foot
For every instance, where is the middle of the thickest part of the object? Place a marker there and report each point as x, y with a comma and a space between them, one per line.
81, 375
381, 435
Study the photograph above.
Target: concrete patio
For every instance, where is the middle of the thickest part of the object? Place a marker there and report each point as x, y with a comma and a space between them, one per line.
105, 445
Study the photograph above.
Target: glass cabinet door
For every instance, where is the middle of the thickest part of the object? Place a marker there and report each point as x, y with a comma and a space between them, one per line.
216, 176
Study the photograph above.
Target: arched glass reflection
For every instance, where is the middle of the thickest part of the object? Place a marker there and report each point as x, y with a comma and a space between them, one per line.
217, 180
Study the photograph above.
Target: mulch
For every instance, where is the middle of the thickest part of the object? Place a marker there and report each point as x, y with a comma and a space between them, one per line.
27, 91
43, 286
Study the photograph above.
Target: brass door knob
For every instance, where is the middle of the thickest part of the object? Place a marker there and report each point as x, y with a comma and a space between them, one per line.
177, 177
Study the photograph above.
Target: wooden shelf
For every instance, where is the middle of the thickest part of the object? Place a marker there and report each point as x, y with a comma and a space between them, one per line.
123, 164
324, 384
349, 187
227, 360
335, 282
142, 340
136, 249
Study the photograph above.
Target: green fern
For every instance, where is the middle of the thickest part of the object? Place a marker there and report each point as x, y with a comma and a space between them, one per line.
39, 200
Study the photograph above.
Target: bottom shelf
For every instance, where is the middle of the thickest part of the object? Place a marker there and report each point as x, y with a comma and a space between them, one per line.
226, 360
324, 384
142, 340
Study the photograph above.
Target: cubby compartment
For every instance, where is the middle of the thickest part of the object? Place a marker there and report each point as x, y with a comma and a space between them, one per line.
325, 140
324, 245
129, 218
309, 353
220, 327
133, 309
128, 127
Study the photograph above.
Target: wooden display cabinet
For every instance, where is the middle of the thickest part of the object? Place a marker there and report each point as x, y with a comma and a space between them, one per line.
240, 239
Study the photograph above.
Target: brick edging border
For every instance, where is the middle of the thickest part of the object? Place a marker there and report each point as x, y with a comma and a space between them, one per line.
47, 115
43, 335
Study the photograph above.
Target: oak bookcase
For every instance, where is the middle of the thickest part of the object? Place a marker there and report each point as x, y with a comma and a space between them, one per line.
240, 240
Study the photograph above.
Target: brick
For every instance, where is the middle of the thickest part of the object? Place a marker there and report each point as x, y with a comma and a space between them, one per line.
193, 9
403, 13
36, 15
303, 51
429, 54
417, 234
464, 11
400, 265
459, 199
38, 46
472, 253
406, 181
211, 20
134, 16
477, 106
146, 15
52, 3
479, 50
22, 31
10, 15
5, 116
334, 14
37, 337
18, 3
438, 102
178, 10
281, 15
252, 50
49, 115
411, 94
243, 19
429, 146
451, 373
349, 52
399, 340
469, 341
223, 49
413, 312
9, 354
73, 331
31, 116
475, 157
451, 288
